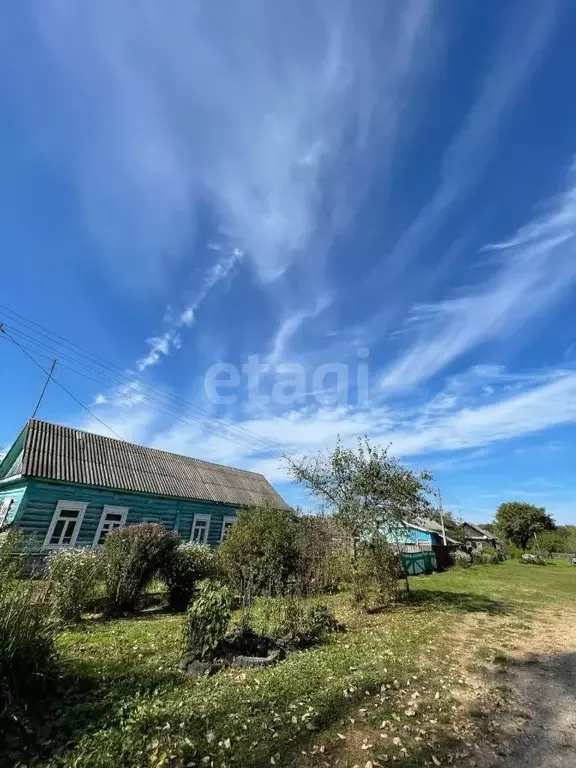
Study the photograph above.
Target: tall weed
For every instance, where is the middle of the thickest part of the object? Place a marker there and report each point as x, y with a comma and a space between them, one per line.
74, 574
27, 627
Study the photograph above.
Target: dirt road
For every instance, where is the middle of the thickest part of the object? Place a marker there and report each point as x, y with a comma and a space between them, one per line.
535, 715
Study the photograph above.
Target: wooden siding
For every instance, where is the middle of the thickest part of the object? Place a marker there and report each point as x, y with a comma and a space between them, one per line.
410, 535
174, 514
17, 492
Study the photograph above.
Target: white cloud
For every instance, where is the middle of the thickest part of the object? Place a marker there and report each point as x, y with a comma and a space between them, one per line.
442, 424
239, 105
514, 59
536, 267
160, 346
290, 326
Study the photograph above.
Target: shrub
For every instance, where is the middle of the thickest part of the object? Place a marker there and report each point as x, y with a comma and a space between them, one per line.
207, 620
27, 629
477, 557
376, 575
321, 555
131, 557
461, 559
318, 621
260, 554
187, 565
297, 622
530, 559
490, 556
513, 551
74, 574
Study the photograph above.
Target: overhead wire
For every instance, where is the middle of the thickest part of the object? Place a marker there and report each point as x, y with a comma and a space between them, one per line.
106, 374
58, 341
58, 383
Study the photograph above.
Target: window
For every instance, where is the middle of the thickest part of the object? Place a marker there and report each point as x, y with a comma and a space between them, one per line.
4, 510
65, 525
227, 523
200, 528
112, 518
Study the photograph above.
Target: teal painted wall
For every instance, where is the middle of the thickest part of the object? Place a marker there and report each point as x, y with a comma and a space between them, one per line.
17, 492
412, 535
175, 514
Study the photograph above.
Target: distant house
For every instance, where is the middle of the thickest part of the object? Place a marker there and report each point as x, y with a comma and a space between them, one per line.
422, 533
477, 537
70, 488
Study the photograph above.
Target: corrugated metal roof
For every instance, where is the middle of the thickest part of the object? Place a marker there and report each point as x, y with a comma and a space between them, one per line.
55, 452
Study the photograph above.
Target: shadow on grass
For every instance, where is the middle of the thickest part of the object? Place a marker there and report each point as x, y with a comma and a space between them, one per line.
70, 707
464, 602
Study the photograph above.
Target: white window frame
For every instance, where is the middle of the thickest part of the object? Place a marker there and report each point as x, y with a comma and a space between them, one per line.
226, 519
78, 506
109, 509
200, 518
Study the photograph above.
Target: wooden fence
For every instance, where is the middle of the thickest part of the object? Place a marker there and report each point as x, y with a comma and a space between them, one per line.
416, 563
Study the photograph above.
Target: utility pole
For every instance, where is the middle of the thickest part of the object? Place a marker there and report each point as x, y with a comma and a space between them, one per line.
441, 511
50, 372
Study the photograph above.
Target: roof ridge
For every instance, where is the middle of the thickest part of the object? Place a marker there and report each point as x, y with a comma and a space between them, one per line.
145, 447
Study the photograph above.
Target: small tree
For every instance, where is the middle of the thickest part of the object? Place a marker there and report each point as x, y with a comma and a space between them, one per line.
319, 544
519, 521
260, 554
368, 490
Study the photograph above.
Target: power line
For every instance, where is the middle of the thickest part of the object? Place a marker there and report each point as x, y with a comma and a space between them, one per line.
205, 427
55, 380
219, 423
105, 380
50, 374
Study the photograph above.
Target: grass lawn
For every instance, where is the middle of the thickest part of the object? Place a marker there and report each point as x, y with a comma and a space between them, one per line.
383, 691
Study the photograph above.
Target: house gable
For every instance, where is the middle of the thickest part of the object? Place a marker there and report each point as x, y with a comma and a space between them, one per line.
11, 464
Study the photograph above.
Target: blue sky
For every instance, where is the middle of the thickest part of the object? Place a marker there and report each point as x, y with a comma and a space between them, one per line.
385, 187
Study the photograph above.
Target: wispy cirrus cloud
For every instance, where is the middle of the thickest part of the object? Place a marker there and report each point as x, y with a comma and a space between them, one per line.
442, 424
513, 61
241, 106
161, 345
534, 268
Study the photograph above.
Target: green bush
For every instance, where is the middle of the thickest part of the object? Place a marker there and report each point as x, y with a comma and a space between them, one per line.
321, 556
187, 565
318, 622
296, 621
376, 575
490, 556
74, 574
131, 558
461, 559
207, 620
260, 554
514, 552
27, 629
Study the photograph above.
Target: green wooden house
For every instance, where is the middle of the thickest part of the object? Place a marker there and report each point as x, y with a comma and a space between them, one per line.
69, 488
